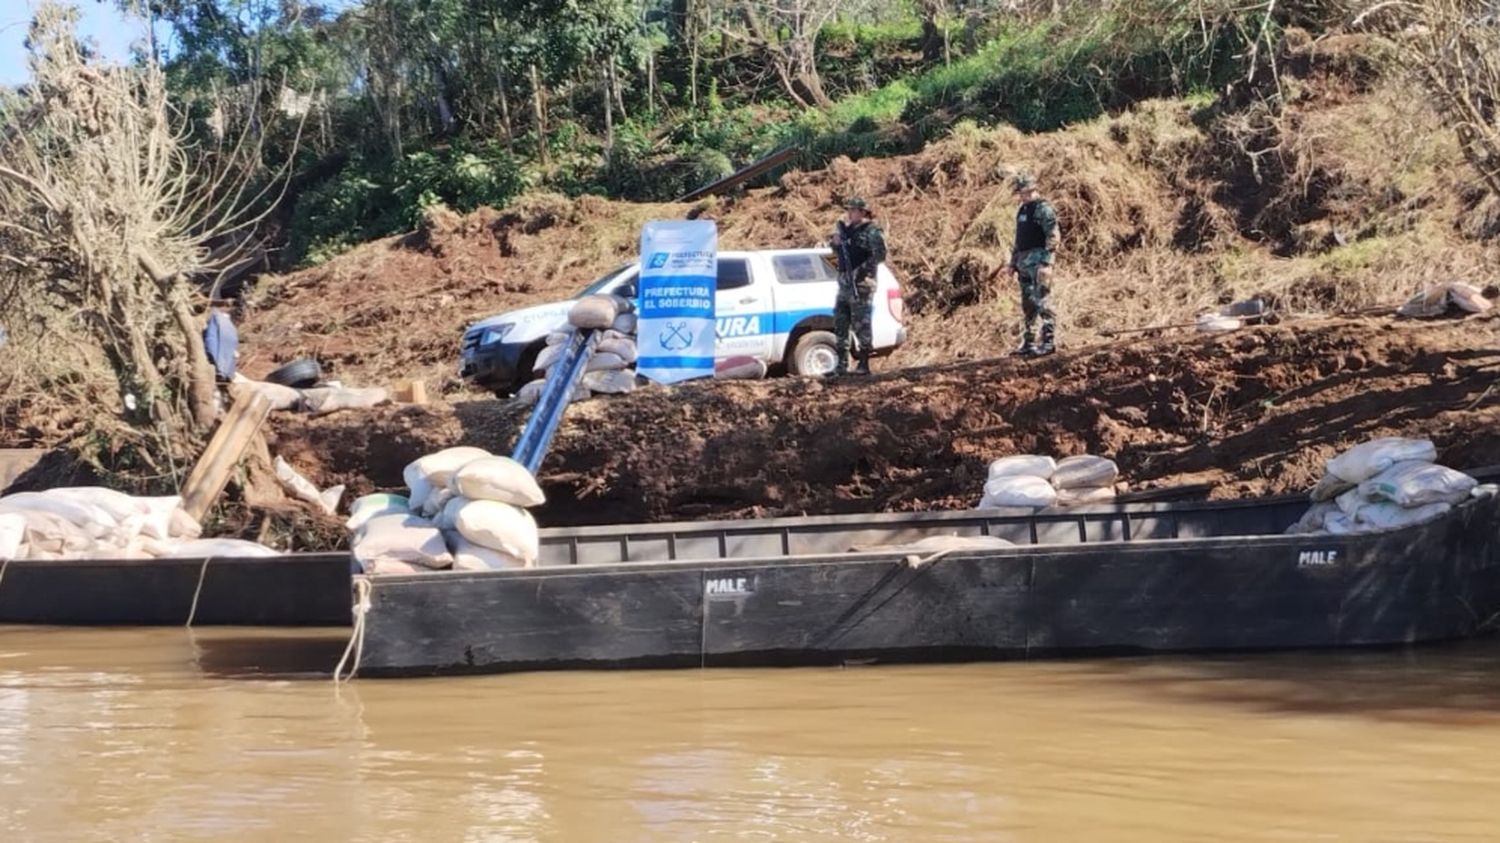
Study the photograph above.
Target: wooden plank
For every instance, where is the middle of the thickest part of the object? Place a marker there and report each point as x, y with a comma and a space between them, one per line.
744, 174
211, 473
17, 461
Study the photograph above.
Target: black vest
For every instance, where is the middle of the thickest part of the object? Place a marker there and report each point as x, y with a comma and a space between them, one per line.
1029, 232
856, 248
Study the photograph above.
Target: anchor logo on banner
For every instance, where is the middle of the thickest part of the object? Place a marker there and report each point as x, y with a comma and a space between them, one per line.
676, 337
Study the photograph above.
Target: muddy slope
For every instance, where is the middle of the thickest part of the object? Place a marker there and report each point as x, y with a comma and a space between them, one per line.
1252, 413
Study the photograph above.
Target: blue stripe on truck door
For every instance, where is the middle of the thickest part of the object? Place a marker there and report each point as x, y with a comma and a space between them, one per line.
754, 324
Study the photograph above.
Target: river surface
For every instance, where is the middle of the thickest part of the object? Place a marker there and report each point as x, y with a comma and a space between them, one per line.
171, 734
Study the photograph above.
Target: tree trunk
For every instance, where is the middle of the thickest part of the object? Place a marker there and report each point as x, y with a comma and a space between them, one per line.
609, 120
540, 113
201, 383
505, 110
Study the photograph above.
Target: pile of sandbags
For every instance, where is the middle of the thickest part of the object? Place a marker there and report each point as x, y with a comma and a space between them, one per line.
1441, 299
466, 510
1384, 484
1035, 482
611, 367
92, 522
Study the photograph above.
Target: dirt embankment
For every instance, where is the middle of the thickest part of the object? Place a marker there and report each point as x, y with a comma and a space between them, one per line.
1350, 195
1251, 413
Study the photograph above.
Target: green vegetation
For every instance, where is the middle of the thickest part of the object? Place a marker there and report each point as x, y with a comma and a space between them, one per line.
390, 106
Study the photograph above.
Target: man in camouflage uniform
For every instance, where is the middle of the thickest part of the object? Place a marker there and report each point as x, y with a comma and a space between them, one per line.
1037, 239
861, 249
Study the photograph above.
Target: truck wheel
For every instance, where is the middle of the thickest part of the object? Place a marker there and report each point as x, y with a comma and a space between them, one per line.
815, 354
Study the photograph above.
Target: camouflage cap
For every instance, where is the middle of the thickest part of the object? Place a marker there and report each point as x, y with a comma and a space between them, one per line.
857, 203
1023, 181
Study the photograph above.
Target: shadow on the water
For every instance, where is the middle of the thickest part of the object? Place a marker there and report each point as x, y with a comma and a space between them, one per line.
310, 655
1429, 684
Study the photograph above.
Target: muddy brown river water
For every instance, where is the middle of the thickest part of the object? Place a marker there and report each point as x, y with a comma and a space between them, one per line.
167, 734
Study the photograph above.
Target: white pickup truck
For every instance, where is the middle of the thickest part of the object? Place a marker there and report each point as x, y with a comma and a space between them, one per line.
772, 304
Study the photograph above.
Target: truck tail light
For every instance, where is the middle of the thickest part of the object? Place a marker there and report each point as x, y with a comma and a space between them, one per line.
896, 305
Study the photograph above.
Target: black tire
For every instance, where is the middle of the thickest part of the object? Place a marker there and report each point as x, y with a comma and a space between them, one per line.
815, 353
298, 374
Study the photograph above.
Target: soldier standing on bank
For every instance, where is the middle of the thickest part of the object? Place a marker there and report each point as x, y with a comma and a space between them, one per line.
1037, 239
860, 246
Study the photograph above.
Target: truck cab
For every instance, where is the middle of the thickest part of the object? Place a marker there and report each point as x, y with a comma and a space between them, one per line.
774, 305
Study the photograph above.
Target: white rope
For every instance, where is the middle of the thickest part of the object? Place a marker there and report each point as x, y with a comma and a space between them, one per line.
917, 563
356, 646
193, 610
4, 563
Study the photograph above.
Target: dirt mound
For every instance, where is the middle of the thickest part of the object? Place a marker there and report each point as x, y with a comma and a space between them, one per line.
1256, 412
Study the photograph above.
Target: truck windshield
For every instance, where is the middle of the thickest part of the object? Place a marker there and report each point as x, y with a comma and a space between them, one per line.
604, 282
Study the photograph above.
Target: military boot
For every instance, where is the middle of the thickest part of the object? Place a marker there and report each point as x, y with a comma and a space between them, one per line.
864, 364
1046, 346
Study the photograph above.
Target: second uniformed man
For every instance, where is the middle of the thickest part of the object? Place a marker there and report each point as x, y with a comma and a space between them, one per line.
860, 246
1037, 239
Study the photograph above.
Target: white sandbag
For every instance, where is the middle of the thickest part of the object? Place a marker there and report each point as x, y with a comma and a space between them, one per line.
369, 506
498, 479
300, 487
530, 393
12, 534
1019, 490
436, 501
1023, 465
280, 397
328, 399
119, 505
184, 525
741, 368
1339, 524
1213, 323
623, 304
135, 548
216, 548
418, 488
53, 534
1330, 487
559, 337
91, 519
594, 312
329, 498
1082, 495
1085, 471
1430, 303
622, 348
448, 519
1391, 516
404, 538
1312, 520
1414, 484
1468, 298
381, 567
437, 468
1368, 459
618, 382
605, 362
159, 516
502, 527
468, 556
546, 357
1350, 501
625, 323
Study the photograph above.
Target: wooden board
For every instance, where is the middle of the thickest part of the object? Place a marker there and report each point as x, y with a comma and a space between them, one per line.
214, 467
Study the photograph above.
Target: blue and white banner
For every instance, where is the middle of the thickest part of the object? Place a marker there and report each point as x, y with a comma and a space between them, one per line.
675, 331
